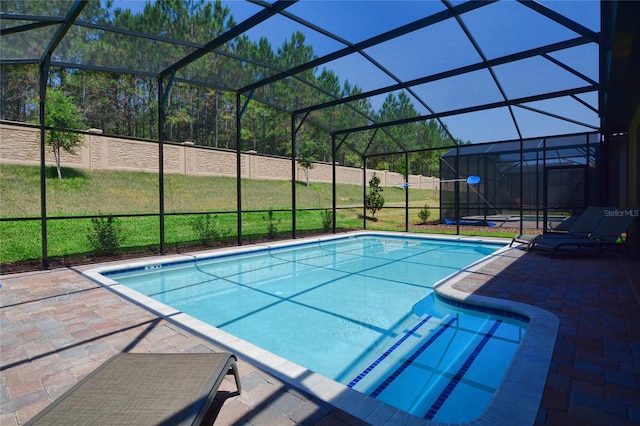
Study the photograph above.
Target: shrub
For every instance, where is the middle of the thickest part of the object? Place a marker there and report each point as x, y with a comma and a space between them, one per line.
424, 214
374, 201
105, 235
272, 225
327, 220
206, 228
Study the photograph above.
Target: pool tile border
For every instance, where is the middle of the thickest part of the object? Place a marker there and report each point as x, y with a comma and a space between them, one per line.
516, 401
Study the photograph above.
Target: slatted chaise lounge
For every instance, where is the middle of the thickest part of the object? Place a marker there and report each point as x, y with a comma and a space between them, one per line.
580, 228
608, 233
144, 389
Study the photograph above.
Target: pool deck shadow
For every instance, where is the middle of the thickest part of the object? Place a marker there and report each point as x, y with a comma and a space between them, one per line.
57, 326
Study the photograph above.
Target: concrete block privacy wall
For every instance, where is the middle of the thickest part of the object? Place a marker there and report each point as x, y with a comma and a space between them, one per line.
21, 145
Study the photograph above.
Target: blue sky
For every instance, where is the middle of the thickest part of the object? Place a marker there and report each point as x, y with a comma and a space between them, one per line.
499, 29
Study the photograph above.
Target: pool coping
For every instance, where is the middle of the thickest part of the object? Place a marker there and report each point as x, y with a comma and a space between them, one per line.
516, 400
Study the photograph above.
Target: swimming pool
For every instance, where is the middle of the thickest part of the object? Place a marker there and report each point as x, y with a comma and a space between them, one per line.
371, 312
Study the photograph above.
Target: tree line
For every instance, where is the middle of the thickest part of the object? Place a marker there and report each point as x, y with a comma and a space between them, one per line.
201, 107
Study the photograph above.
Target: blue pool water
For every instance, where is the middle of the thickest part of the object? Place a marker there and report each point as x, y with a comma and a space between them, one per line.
359, 310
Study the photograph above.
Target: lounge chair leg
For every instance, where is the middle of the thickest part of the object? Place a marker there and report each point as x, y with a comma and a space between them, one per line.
233, 369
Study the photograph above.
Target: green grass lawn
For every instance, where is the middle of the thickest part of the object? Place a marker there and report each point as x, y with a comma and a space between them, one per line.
89, 193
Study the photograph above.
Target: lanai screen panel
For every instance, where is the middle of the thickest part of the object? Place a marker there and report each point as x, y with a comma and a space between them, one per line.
513, 177
480, 71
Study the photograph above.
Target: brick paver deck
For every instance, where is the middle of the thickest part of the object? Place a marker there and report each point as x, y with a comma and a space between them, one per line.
57, 326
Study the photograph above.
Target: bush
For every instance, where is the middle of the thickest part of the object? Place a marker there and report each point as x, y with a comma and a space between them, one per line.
424, 214
327, 220
272, 225
374, 201
105, 235
206, 228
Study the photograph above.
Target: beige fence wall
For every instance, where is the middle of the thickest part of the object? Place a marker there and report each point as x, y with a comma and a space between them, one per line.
21, 145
